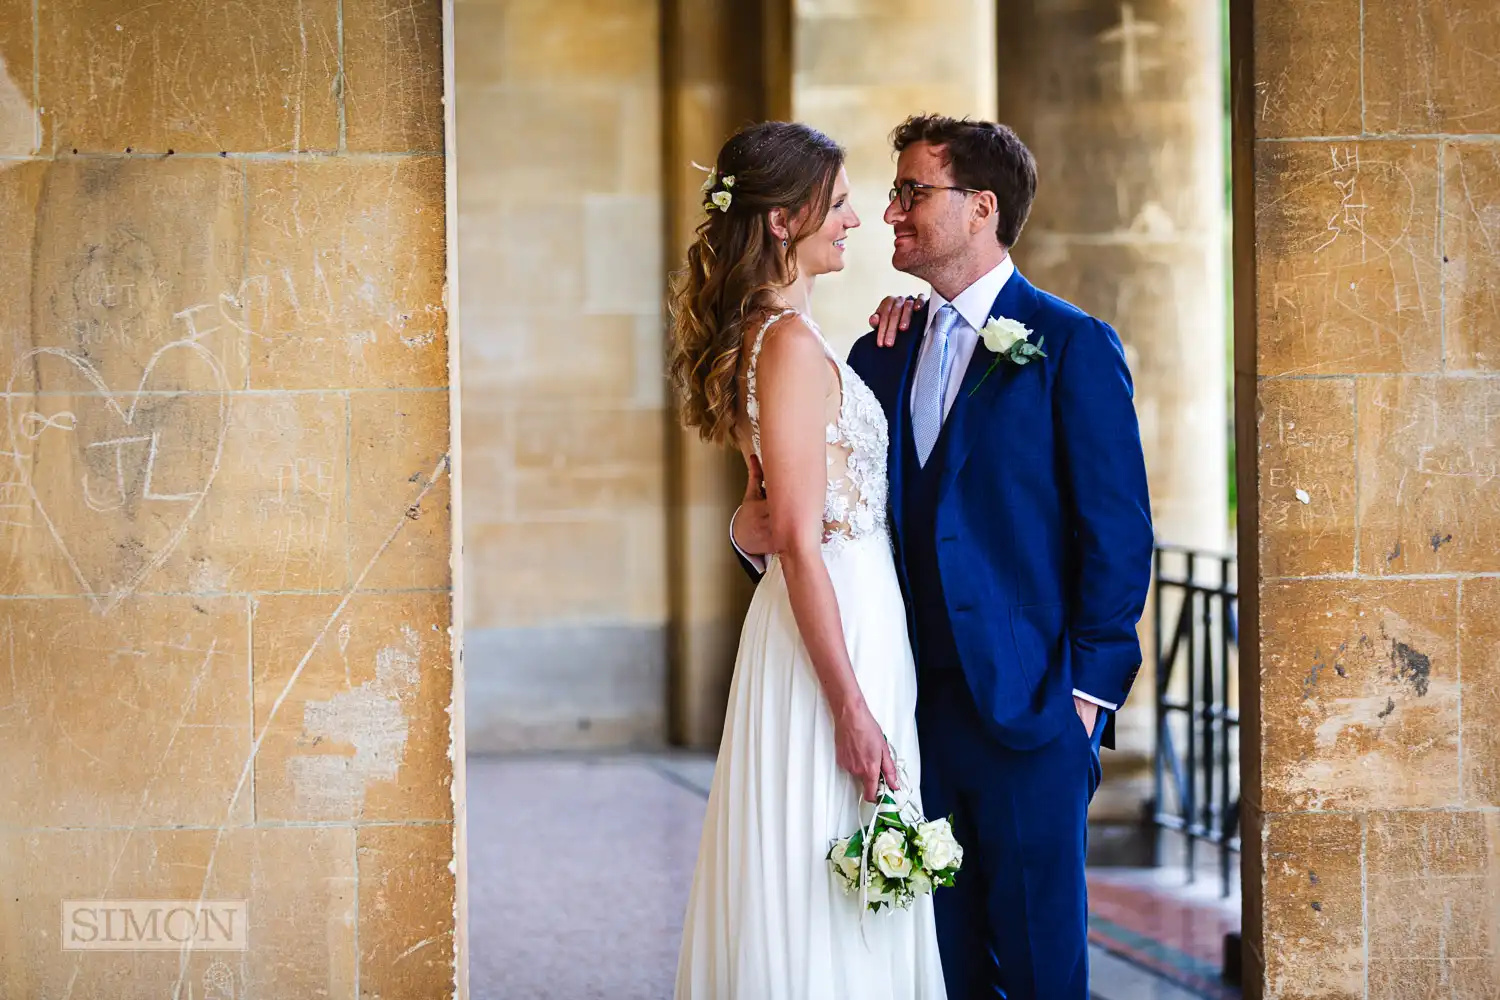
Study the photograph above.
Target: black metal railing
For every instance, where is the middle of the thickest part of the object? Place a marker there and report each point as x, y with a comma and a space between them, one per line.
1196, 767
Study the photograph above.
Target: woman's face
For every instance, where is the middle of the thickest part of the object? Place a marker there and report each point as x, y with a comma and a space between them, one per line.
823, 251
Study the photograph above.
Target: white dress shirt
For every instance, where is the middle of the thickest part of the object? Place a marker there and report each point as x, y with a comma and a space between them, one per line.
973, 305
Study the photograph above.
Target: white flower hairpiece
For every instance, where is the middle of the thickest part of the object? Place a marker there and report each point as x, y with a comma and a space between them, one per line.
720, 199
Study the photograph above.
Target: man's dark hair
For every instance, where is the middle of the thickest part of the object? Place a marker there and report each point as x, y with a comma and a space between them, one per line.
984, 156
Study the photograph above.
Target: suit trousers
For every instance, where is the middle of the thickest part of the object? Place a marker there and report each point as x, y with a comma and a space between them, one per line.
1015, 923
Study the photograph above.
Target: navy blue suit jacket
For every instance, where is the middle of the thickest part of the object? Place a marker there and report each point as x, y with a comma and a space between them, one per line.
1043, 525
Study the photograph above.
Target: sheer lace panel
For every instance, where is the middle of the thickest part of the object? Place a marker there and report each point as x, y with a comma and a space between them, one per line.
854, 503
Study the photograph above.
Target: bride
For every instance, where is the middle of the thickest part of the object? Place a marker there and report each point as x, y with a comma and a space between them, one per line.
824, 676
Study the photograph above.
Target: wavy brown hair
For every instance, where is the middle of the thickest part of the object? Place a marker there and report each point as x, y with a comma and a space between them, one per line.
736, 260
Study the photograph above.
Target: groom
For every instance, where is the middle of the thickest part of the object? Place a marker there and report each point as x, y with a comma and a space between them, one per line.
1023, 540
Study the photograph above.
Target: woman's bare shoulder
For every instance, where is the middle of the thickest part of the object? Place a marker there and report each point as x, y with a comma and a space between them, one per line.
789, 338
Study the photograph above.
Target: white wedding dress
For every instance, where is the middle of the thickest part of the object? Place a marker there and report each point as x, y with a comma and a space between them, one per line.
766, 920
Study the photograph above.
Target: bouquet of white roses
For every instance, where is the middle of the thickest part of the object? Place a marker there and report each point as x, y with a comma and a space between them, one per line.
897, 857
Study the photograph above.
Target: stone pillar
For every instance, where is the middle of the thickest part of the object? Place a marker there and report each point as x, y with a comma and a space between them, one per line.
721, 61
1367, 197
859, 68
560, 229
1122, 103
224, 495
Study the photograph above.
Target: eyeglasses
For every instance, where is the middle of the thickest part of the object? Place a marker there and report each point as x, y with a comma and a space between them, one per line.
906, 192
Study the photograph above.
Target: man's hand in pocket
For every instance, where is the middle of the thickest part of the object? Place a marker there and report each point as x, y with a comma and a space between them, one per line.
1088, 712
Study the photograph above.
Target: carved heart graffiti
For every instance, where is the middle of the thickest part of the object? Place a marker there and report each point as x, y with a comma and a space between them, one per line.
117, 485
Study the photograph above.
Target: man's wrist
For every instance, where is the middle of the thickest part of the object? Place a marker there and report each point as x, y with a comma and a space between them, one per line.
1090, 713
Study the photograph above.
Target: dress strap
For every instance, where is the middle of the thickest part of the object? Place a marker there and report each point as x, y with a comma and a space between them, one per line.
827, 347
752, 404
760, 341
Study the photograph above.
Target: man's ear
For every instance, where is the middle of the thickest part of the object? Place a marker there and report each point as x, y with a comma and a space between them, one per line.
985, 213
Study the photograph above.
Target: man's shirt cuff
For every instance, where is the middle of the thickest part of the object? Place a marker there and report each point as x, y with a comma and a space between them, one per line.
1076, 693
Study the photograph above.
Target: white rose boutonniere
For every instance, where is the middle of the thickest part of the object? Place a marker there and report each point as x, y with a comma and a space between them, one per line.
1009, 340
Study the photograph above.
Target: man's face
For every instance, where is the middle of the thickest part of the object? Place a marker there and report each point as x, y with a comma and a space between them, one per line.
936, 229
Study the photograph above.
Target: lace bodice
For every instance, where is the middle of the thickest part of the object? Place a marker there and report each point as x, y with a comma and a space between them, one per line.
854, 505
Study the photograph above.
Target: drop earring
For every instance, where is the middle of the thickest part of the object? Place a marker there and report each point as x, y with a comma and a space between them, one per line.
783, 243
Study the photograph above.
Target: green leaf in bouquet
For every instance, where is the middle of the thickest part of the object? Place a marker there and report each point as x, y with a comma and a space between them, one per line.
855, 844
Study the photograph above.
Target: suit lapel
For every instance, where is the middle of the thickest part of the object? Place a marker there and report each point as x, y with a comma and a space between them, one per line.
901, 409
1017, 301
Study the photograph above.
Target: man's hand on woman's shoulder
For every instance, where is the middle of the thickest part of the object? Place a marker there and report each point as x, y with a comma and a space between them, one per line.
894, 315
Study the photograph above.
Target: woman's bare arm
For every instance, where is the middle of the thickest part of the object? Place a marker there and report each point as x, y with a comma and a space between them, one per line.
794, 382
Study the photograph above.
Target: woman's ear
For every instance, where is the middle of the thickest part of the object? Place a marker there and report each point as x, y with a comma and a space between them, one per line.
777, 220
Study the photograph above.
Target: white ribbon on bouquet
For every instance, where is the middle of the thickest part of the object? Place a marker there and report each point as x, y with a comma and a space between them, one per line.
900, 808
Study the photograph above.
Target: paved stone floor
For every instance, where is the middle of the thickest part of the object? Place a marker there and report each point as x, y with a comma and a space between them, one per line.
579, 870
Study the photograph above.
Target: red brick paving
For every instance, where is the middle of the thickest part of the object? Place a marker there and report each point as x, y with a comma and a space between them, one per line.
1138, 903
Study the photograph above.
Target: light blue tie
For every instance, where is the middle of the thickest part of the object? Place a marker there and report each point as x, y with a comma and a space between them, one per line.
932, 382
